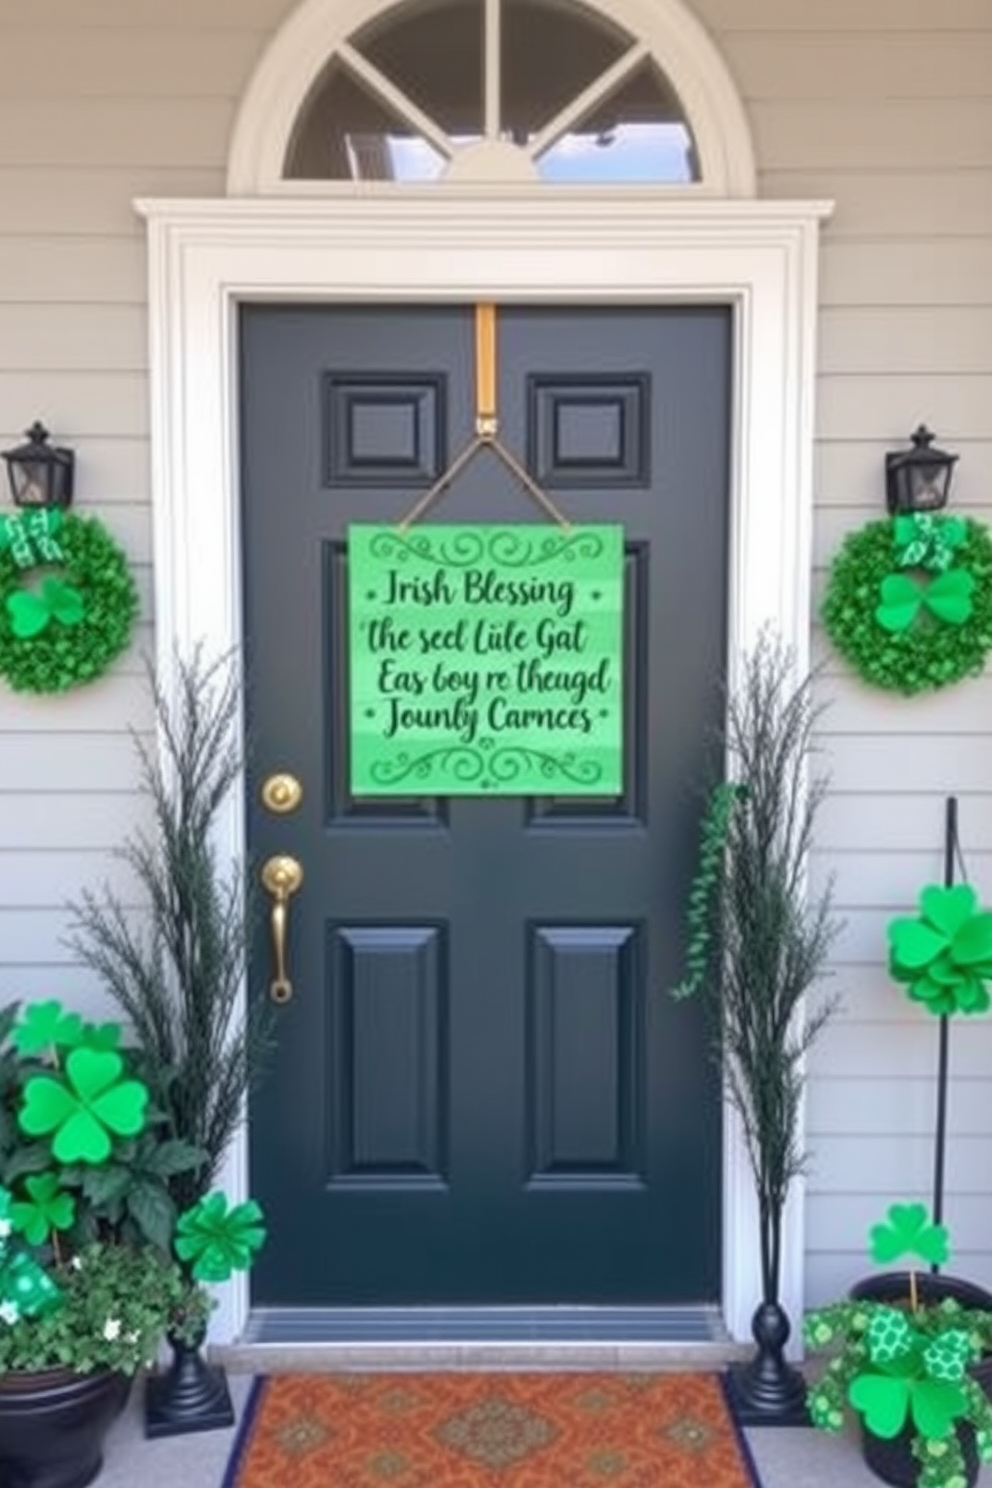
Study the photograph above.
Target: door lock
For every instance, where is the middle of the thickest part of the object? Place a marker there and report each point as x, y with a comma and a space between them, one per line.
281, 793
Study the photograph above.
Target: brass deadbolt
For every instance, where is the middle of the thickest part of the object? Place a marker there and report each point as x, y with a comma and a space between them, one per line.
282, 793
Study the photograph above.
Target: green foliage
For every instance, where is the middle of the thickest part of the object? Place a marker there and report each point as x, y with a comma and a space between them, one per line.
705, 886
944, 956
178, 981
116, 1303
771, 935
911, 635
65, 628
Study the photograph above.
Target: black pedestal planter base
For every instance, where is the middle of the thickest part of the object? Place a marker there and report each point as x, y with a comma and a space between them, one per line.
191, 1395
768, 1391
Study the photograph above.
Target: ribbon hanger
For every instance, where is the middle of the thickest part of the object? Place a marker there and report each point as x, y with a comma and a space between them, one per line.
486, 431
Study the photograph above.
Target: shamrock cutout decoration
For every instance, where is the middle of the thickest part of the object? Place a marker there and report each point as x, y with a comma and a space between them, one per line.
85, 1106
216, 1240
30, 612
909, 1232
925, 541
947, 598
945, 955
47, 1208
25, 1288
886, 1400
46, 1025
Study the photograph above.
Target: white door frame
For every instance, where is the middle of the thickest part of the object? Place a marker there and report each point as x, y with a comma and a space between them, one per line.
453, 243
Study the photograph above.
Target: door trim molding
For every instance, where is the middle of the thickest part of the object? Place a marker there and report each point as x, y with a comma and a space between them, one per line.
453, 243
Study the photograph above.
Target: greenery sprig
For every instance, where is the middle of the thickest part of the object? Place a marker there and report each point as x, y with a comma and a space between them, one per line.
705, 884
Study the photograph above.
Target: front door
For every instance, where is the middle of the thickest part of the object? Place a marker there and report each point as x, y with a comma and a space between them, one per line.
482, 1092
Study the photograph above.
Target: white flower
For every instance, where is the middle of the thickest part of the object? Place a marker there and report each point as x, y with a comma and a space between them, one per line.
5, 1228
112, 1329
9, 1312
76, 1263
132, 1337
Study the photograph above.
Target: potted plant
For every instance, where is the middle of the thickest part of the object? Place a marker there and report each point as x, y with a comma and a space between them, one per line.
177, 975
911, 1360
88, 1281
758, 942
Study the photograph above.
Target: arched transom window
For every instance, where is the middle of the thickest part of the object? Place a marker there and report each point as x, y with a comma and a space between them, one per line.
548, 90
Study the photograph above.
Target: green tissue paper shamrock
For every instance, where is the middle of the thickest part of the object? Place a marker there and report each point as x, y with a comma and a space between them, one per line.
909, 1232
30, 612
945, 955
48, 1207
217, 1240
947, 598
83, 1107
886, 1400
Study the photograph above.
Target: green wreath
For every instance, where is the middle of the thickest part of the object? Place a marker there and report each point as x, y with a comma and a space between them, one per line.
917, 616
67, 600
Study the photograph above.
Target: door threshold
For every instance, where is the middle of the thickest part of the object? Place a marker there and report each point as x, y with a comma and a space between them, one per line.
482, 1338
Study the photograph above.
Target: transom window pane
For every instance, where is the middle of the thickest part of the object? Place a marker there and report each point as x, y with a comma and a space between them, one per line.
552, 50
567, 96
636, 134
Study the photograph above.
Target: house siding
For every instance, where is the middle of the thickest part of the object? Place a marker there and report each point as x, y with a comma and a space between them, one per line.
884, 106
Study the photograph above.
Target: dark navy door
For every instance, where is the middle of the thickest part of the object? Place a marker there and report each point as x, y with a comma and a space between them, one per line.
482, 1092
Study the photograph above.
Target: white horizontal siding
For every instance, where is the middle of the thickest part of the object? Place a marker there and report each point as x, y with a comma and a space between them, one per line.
884, 65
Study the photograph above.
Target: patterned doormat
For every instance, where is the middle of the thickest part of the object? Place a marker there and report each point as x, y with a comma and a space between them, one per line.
495, 1430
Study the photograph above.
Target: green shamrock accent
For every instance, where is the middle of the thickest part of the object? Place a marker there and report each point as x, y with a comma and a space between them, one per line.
85, 1106
925, 541
947, 1357
945, 955
31, 612
886, 1400
889, 1336
25, 1287
47, 1208
909, 1232
947, 597
46, 1025
216, 1240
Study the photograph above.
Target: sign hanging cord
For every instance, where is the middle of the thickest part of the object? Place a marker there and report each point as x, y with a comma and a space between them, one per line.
486, 431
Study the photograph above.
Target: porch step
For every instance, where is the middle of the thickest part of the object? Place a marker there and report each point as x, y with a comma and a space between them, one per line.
482, 1338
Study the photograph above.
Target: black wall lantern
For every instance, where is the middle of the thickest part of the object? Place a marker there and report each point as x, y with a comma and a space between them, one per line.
40, 473
918, 479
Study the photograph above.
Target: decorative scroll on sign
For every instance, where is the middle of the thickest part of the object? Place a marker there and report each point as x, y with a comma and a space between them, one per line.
486, 660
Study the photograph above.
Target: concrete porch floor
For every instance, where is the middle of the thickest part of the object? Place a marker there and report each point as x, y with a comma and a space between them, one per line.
785, 1458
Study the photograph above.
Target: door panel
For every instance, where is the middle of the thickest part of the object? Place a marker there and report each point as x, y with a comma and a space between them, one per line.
482, 1093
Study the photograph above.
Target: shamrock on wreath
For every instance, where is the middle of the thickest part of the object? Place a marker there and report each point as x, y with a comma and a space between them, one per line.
68, 600
909, 601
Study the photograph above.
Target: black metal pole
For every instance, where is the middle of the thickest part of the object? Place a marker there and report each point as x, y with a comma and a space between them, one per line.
940, 1141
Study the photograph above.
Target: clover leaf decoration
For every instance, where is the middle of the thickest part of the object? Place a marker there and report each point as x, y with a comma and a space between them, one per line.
923, 540
217, 1240
83, 1107
946, 597
944, 956
886, 1400
30, 612
909, 1232
46, 1025
48, 1207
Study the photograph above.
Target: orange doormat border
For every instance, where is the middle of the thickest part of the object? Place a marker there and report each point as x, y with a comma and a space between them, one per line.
489, 1430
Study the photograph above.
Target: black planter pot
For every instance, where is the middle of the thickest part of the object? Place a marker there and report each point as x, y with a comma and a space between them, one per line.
53, 1424
767, 1390
190, 1395
891, 1459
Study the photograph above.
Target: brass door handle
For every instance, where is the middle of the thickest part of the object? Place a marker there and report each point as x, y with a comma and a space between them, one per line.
282, 876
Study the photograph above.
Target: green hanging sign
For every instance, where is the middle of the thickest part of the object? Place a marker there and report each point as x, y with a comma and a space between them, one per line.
486, 660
